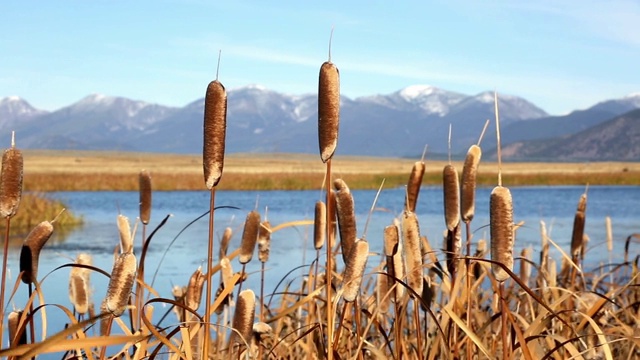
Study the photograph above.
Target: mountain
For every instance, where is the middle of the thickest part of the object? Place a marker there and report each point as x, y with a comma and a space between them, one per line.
263, 120
615, 140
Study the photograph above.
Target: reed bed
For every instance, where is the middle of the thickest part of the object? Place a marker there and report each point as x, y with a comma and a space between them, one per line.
414, 300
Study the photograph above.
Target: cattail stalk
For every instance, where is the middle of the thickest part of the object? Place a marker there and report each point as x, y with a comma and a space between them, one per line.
10, 195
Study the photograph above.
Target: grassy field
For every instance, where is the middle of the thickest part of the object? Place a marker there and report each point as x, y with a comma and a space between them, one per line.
84, 170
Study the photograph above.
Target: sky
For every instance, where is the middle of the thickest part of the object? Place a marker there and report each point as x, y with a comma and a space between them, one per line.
560, 55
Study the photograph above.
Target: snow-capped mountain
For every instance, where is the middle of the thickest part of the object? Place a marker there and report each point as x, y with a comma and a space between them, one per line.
431, 100
14, 110
619, 106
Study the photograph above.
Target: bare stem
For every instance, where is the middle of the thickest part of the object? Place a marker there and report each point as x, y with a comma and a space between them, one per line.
207, 314
4, 278
329, 269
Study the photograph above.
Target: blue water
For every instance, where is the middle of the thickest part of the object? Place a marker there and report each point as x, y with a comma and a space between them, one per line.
292, 247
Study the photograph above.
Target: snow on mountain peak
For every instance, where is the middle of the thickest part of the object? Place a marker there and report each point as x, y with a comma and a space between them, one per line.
251, 87
415, 91
11, 98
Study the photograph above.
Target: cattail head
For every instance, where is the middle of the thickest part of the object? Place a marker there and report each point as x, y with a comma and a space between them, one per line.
243, 317
144, 179
249, 237
501, 227
10, 181
332, 218
414, 184
451, 192
31, 250
393, 252
215, 128
328, 109
525, 266
13, 320
354, 269
120, 285
319, 225
578, 227
224, 243
346, 217
468, 185
227, 272
413, 254
124, 229
194, 290
79, 287
264, 241
391, 240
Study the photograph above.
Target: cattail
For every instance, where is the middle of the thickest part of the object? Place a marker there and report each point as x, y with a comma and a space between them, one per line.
525, 267
120, 285
468, 185
12, 323
578, 227
249, 236
227, 272
328, 109
501, 226
346, 217
383, 297
79, 287
607, 222
144, 179
194, 290
215, 127
413, 186
393, 251
332, 218
10, 181
413, 254
451, 192
243, 317
31, 250
126, 242
319, 225
453, 246
264, 241
354, 269
224, 243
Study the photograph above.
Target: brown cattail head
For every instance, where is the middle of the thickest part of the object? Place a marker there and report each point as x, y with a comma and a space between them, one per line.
354, 269
10, 182
391, 240
120, 285
13, 321
328, 109
79, 287
144, 179
319, 225
215, 128
31, 250
578, 227
451, 192
243, 317
124, 229
224, 243
249, 236
383, 297
453, 246
194, 290
264, 241
413, 254
525, 267
468, 185
393, 252
413, 186
227, 272
332, 218
346, 217
501, 227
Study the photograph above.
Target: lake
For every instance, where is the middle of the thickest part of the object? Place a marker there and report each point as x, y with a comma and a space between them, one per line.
292, 247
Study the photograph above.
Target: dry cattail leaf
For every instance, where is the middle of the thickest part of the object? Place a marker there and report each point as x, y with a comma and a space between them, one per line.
354, 269
126, 242
346, 217
12, 323
319, 225
144, 180
413, 186
249, 237
328, 109
193, 295
10, 182
451, 192
224, 243
607, 222
243, 317
501, 225
120, 285
31, 250
215, 128
468, 185
578, 227
413, 254
264, 241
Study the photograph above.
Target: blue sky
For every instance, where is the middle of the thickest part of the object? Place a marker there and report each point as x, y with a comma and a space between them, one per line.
560, 55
